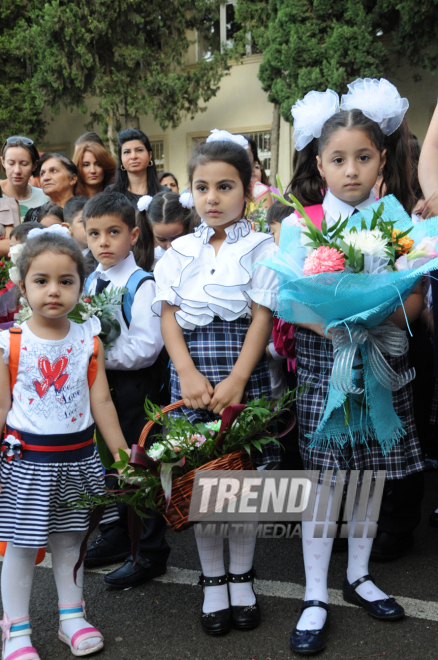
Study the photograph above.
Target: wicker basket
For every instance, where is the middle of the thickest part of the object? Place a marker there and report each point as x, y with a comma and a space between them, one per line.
177, 513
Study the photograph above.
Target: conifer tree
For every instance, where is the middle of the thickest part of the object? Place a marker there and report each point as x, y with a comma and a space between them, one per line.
20, 107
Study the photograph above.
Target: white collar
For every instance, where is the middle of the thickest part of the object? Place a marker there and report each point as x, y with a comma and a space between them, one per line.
335, 207
85, 251
118, 274
239, 229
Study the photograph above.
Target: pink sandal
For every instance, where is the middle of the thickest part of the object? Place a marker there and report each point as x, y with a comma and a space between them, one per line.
76, 611
17, 628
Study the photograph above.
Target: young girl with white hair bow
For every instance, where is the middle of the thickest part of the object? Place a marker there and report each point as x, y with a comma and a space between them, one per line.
341, 150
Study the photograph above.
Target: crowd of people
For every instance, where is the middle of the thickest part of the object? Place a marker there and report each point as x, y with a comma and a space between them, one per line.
196, 323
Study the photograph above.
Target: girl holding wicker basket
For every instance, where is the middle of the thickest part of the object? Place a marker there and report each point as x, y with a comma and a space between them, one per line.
216, 323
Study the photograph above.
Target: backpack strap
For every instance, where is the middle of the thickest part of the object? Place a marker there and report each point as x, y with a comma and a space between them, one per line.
315, 213
92, 367
14, 353
133, 284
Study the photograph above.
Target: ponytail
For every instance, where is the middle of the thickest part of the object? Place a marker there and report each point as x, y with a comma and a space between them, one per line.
307, 185
397, 172
143, 250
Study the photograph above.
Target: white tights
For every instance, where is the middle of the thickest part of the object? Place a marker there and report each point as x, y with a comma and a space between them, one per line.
211, 554
317, 553
20, 563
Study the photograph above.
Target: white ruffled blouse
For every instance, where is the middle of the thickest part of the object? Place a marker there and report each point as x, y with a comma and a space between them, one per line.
204, 284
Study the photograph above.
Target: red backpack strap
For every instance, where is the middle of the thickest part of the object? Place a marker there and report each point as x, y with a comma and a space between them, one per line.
315, 213
92, 367
14, 353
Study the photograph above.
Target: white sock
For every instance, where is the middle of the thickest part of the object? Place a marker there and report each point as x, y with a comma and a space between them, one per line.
16, 585
211, 554
65, 553
359, 550
317, 553
241, 561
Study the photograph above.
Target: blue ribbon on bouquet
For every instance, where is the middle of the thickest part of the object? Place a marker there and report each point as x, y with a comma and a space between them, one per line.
379, 420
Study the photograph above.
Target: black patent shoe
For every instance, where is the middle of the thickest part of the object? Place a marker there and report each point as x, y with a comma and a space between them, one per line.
133, 575
244, 617
386, 609
308, 642
101, 552
433, 519
215, 623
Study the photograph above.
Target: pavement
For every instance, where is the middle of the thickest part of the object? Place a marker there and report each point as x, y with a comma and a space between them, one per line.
160, 620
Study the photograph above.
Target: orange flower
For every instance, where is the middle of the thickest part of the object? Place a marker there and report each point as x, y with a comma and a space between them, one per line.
404, 244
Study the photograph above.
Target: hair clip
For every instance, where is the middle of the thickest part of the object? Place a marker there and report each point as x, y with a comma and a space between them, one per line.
216, 136
186, 200
379, 100
310, 115
144, 202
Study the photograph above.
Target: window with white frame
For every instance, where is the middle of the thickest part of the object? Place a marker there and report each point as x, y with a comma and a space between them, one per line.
158, 151
222, 33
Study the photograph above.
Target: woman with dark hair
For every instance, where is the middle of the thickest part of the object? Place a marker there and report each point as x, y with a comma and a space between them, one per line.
20, 160
96, 168
168, 179
58, 176
136, 174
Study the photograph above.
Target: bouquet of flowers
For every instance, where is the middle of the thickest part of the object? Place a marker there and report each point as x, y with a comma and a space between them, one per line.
8, 295
103, 306
256, 214
349, 278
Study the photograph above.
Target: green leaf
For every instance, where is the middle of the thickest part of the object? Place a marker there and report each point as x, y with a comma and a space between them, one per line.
279, 186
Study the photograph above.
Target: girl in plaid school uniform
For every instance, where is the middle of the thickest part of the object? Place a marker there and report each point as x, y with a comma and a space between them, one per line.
340, 155
216, 323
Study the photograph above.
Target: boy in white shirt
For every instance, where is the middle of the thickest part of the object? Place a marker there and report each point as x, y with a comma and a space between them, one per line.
111, 231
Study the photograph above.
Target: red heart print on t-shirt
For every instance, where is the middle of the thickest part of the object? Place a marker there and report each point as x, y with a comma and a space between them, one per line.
52, 374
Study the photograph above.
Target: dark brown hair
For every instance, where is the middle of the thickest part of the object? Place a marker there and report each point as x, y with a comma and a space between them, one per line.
50, 242
223, 151
307, 184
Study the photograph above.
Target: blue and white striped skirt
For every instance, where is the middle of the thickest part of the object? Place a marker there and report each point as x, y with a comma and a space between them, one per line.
214, 349
33, 493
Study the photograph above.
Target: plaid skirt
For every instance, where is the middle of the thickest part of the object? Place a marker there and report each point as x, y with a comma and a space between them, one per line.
314, 367
214, 349
433, 419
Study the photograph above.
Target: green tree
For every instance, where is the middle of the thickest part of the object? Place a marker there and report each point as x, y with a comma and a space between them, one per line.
128, 55
20, 107
318, 44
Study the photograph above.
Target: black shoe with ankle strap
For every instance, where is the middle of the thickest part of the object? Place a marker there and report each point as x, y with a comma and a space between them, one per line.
386, 609
244, 617
308, 642
215, 623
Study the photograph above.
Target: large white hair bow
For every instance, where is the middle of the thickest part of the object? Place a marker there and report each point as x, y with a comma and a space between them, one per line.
144, 202
53, 229
186, 200
310, 115
224, 136
379, 100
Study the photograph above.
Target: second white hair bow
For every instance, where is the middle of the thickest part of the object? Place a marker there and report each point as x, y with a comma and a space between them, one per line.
310, 115
144, 202
216, 135
379, 100
186, 200
53, 229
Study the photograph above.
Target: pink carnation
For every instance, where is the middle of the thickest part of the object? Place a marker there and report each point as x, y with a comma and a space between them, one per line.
324, 260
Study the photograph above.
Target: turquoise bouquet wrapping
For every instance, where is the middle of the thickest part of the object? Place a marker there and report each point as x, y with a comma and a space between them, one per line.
354, 307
